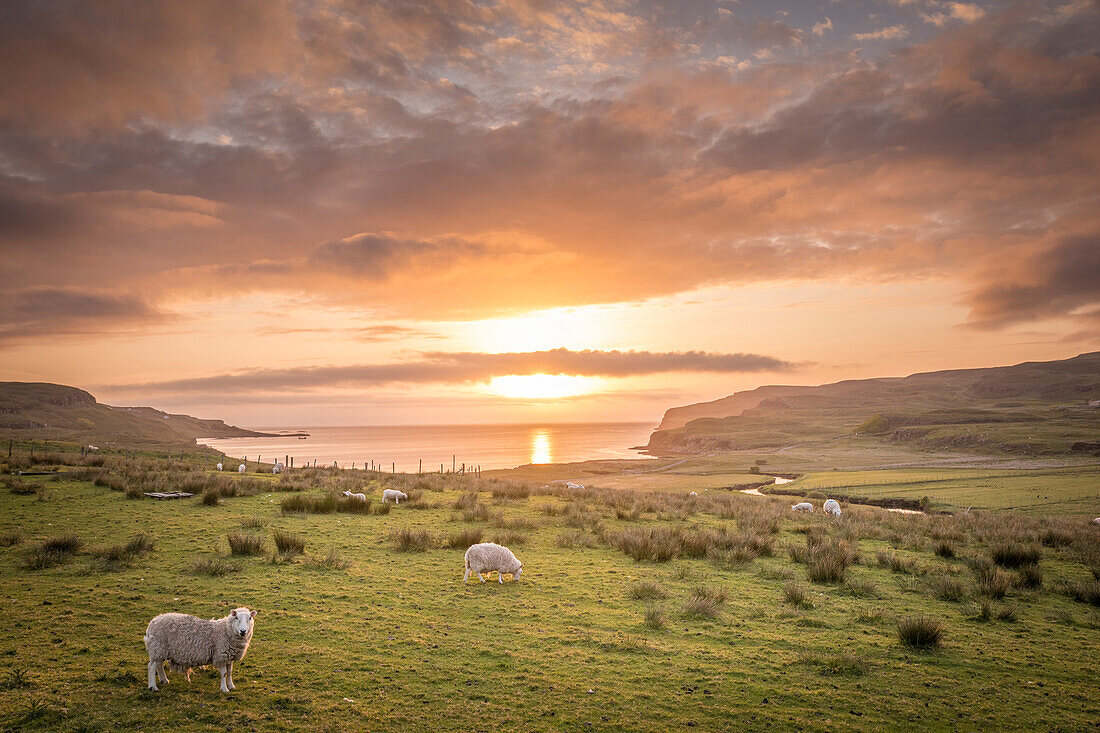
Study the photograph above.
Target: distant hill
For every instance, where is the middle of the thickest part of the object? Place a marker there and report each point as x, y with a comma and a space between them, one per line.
31, 410
1034, 408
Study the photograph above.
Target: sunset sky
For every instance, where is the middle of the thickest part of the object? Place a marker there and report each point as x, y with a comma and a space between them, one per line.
323, 213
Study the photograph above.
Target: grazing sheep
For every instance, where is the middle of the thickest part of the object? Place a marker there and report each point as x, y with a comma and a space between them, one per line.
219, 467
1096, 521
804, 506
693, 494
277, 468
485, 557
360, 497
188, 641
573, 485
241, 468
832, 506
394, 494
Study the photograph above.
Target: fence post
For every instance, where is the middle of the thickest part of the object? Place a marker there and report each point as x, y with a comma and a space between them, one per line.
452, 464
394, 467
419, 466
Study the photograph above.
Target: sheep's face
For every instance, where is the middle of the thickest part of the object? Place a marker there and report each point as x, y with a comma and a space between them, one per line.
515, 575
240, 622
347, 493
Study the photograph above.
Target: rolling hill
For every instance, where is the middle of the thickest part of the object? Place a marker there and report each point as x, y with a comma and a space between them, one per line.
36, 410
1034, 408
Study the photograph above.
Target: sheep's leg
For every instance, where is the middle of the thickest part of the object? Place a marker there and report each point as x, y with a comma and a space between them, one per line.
397, 500
500, 577
465, 576
229, 675
480, 576
162, 672
221, 668
153, 675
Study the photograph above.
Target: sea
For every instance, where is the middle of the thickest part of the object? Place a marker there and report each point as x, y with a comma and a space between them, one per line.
410, 448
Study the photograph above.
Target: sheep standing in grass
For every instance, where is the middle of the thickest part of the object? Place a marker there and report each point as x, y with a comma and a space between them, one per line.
188, 641
360, 497
803, 506
693, 494
241, 468
485, 557
219, 466
832, 506
277, 468
394, 494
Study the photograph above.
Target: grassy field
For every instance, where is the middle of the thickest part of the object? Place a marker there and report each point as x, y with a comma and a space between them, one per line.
729, 632
1061, 491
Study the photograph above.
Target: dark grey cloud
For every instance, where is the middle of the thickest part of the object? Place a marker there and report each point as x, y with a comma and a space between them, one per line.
1057, 281
468, 368
52, 312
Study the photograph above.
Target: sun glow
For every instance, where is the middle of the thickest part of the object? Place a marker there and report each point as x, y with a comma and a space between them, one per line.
542, 450
542, 386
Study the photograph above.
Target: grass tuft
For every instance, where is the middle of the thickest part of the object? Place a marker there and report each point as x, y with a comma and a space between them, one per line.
797, 594
655, 617
289, 544
646, 590
462, 539
920, 632
412, 540
1014, 554
245, 544
214, 566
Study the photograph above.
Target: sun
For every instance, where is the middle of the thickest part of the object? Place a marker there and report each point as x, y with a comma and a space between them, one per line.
542, 386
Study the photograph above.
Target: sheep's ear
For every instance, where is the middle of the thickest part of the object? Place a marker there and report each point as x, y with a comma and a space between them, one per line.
233, 614
254, 614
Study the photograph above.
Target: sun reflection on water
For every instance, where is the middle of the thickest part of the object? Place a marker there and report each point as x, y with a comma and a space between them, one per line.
541, 448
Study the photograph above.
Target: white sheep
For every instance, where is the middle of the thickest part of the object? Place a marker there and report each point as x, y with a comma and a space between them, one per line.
241, 468
188, 641
360, 497
277, 468
804, 506
394, 494
573, 485
693, 494
219, 467
1096, 521
485, 557
832, 506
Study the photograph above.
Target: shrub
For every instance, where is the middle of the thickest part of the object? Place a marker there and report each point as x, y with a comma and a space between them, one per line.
466, 501
331, 561
289, 544
920, 632
500, 521
797, 594
985, 610
701, 607
731, 557
1029, 576
946, 588
210, 497
254, 523
382, 508
711, 593
18, 486
412, 540
992, 582
1085, 591
13, 537
859, 589
139, 545
1008, 613
944, 549
645, 590
245, 544
655, 617
571, 538
659, 544
477, 513
1014, 554
1056, 537
463, 538
898, 564
510, 491
828, 562
214, 565
509, 537
843, 664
